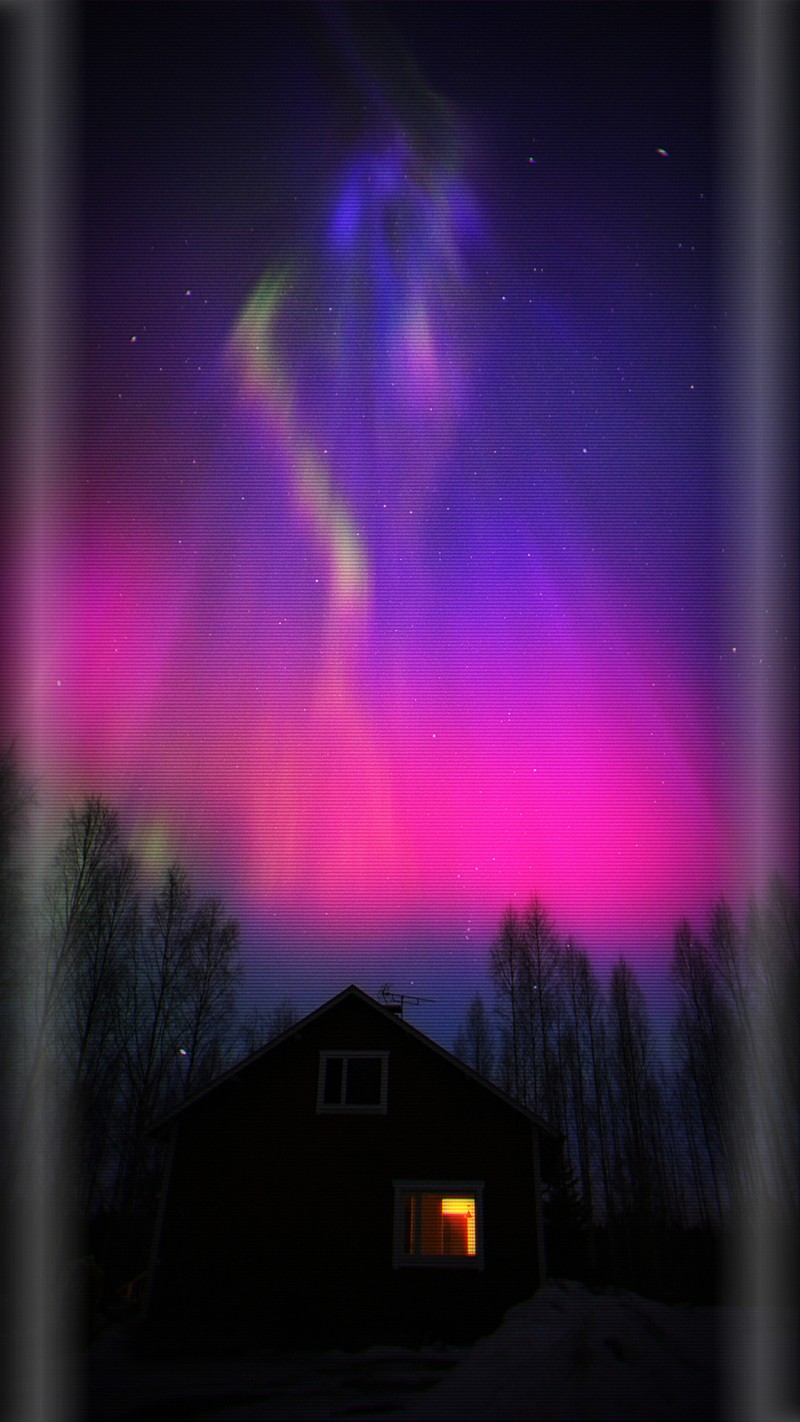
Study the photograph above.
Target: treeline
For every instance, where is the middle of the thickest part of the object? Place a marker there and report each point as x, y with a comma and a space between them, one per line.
122, 997
654, 1151
118, 997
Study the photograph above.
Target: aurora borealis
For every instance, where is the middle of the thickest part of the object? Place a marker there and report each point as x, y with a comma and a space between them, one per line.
396, 571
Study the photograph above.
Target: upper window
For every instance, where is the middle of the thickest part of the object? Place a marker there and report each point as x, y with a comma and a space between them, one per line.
438, 1224
353, 1081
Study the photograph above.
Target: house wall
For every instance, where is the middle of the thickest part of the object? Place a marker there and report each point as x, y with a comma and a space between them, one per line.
281, 1214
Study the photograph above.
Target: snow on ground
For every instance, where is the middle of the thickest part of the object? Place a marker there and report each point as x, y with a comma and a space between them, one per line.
567, 1353
263, 1386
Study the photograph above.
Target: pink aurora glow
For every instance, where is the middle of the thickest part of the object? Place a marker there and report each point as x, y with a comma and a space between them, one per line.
422, 627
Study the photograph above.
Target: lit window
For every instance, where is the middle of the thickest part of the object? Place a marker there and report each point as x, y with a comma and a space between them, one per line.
352, 1081
438, 1225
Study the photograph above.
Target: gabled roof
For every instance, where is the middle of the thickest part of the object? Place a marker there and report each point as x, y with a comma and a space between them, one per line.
387, 1015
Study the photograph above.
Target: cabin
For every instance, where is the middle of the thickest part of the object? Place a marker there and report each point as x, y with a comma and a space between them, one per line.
350, 1181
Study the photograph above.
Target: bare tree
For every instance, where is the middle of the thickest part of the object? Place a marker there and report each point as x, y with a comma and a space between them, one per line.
258, 1027
281, 1017
213, 969
756, 974
771, 949
17, 795
87, 850
674, 1161
90, 1045
540, 979
84, 860
16, 798
702, 1038
156, 1021
632, 1069
180, 1014
474, 1042
578, 1048
508, 971
776, 943
590, 1012
725, 953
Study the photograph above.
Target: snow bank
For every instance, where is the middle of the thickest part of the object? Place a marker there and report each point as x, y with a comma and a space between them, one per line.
570, 1353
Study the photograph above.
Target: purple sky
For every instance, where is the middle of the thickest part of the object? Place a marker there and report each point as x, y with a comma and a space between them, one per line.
401, 569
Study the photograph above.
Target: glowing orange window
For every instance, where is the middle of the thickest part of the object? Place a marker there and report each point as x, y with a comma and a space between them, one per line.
435, 1227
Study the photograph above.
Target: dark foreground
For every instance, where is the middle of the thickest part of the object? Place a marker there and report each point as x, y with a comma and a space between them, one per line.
567, 1353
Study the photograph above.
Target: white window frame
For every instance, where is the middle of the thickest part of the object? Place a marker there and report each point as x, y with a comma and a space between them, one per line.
343, 1107
469, 1188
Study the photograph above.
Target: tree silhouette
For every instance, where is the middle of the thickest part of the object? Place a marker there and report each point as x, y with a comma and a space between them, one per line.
90, 1041
474, 1042
257, 1027
69, 916
16, 798
773, 997
540, 963
508, 970
213, 969
578, 1053
702, 1036
633, 1091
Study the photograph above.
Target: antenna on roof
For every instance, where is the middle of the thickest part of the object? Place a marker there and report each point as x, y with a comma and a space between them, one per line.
396, 1001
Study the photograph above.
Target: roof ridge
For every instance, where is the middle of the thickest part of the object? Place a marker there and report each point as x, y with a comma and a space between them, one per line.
353, 989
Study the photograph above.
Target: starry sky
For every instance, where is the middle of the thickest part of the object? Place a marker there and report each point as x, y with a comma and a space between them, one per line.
394, 570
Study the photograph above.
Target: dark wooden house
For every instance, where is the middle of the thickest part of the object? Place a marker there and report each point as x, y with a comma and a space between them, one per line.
350, 1179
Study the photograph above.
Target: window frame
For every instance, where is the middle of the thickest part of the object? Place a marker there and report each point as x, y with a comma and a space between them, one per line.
343, 1107
468, 1188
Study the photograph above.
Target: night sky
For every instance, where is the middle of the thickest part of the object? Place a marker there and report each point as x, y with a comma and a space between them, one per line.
395, 572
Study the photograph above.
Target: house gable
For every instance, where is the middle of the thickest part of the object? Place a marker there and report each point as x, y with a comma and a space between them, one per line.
351, 1015
415, 1182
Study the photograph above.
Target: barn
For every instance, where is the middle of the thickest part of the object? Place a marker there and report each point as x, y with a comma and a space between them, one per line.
349, 1181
